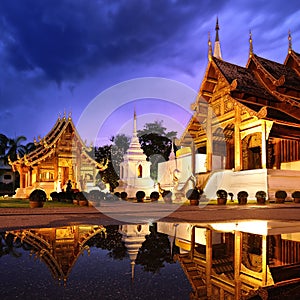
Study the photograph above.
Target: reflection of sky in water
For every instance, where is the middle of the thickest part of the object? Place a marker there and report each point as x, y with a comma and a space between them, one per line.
94, 276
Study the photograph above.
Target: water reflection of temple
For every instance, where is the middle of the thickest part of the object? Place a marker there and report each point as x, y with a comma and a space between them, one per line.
239, 260
133, 235
59, 248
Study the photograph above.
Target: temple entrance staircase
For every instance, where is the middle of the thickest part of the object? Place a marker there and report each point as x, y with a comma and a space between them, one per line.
194, 276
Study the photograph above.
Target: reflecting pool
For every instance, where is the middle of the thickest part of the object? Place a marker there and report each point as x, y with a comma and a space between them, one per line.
244, 259
90, 262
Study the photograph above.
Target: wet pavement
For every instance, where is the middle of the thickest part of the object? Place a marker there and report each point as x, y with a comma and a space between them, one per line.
119, 213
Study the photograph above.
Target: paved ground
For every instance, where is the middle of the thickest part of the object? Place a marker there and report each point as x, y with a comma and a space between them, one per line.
120, 212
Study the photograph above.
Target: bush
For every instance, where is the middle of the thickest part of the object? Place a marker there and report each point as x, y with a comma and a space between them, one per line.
296, 194
280, 194
80, 196
38, 196
221, 194
140, 195
54, 196
193, 194
261, 194
242, 194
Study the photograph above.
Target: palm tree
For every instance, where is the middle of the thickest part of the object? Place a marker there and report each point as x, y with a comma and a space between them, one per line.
15, 148
3, 145
30, 147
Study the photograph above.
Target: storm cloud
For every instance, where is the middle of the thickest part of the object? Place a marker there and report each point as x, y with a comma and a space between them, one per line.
58, 54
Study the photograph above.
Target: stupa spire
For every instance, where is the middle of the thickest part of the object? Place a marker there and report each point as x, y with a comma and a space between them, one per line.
134, 124
209, 48
172, 153
290, 42
217, 46
250, 44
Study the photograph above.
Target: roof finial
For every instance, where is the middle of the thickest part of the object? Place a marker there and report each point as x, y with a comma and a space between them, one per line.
134, 124
250, 44
217, 46
217, 30
290, 42
209, 48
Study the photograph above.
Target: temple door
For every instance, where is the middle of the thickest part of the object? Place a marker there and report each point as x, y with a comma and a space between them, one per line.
254, 156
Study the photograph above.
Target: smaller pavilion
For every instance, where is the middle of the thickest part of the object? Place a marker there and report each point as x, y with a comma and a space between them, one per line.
60, 156
135, 169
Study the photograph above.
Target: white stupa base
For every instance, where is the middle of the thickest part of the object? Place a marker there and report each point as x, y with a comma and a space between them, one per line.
137, 184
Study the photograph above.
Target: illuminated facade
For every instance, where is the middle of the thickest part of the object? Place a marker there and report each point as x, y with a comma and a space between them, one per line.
59, 248
60, 156
246, 124
239, 260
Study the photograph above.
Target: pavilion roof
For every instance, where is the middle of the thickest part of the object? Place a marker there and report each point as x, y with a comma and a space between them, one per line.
46, 147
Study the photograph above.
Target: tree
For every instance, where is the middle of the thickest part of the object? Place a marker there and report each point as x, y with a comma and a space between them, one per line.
157, 128
156, 144
121, 141
14, 148
114, 153
155, 251
3, 145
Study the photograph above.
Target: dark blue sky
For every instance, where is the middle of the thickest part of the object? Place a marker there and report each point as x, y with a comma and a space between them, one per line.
58, 55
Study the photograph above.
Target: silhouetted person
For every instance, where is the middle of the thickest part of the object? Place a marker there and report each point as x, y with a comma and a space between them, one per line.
154, 196
140, 195
69, 187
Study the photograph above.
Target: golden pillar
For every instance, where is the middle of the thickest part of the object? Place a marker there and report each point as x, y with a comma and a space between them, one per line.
263, 145
208, 266
237, 263
264, 261
209, 141
237, 140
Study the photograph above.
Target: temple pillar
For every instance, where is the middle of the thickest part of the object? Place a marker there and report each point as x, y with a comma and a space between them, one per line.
55, 169
208, 265
193, 150
21, 178
237, 263
263, 146
264, 262
277, 154
209, 141
237, 140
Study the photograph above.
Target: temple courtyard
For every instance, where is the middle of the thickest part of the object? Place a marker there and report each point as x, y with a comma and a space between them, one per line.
120, 213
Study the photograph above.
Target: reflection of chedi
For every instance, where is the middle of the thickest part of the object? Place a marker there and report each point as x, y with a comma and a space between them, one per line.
135, 169
133, 236
60, 247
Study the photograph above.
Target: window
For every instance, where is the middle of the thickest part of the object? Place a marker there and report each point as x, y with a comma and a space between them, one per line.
140, 171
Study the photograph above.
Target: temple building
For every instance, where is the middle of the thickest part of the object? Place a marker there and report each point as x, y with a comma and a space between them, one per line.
60, 156
135, 169
244, 259
59, 248
245, 129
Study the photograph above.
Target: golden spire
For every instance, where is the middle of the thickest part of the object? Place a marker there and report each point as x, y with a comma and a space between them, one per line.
217, 46
250, 44
209, 48
290, 42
